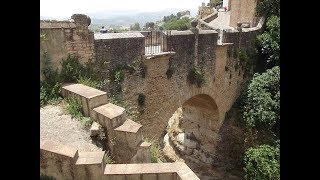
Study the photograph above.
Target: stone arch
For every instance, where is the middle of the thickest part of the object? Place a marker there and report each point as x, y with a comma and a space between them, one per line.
193, 128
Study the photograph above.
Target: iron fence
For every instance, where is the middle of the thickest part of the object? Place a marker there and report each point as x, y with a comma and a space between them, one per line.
155, 41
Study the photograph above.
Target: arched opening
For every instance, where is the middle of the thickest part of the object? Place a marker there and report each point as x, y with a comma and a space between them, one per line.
192, 130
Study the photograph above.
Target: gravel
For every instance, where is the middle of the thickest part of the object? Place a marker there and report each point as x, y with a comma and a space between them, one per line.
58, 126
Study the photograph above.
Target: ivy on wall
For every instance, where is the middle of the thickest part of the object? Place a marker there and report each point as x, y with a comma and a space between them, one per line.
196, 76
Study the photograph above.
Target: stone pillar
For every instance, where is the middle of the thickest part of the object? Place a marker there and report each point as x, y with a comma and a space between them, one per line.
81, 19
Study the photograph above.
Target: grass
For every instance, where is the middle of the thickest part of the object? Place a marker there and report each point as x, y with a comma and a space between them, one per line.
155, 151
131, 110
74, 108
88, 82
108, 159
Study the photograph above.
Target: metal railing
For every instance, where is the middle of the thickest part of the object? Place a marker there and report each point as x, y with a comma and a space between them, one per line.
155, 41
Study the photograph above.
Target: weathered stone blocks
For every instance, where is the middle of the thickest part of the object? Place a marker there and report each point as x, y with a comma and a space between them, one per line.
109, 116
90, 97
95, 129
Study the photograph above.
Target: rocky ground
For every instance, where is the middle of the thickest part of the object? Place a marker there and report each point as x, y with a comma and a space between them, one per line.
57, 125
226, 164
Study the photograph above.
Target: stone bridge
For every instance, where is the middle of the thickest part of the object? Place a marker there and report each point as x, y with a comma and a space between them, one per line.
172, 103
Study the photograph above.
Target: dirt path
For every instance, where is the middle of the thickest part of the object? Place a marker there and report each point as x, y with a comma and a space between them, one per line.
57, 125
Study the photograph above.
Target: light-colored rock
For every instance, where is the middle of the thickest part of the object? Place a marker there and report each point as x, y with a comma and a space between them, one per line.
182, 139
95, 129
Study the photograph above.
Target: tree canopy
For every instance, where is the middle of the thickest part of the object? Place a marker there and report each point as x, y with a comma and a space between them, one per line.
178, 24
135, 27
262, 104
269, 41
262, 162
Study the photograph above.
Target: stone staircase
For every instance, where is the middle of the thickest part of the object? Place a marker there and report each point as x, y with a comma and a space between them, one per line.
124, 135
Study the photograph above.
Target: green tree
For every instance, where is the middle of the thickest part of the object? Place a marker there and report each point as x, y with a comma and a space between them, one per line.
179, 15
262, 162
268, 8
149, 24
269, 41
178, 24
135, 27
262, 102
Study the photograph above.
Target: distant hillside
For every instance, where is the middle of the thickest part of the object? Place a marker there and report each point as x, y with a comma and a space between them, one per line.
112, 19
121, 19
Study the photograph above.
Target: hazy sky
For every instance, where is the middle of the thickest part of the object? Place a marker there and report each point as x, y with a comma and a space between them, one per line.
65, 8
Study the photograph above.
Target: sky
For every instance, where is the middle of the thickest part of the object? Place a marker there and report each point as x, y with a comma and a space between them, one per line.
65, 8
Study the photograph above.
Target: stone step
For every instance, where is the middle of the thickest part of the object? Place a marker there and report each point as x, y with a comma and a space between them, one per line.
109, 116
143, 154
61, 149
90, 97
129, 131
90, 165
95, 129
95, 157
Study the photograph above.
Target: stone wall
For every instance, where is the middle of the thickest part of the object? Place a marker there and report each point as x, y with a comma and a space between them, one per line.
204, 11
166, 85
119, 48
165, 95
58, 160
64, 162
67, 37
242, 11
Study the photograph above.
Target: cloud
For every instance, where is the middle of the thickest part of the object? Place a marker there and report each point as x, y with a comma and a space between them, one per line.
65, 8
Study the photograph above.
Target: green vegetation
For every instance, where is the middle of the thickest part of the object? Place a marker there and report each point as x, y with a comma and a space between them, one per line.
269, 41
74, 108
196, 76
246, 58
177, 24
131, 110
88, 81
71, 71
135, 27
259, 101
268, 8
108, 159
155, 151
50, 88
262, 105
43, 37
263, 163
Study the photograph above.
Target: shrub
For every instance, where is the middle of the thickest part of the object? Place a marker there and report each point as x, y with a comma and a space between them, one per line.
263, 163
196, 76
74, 107
262, 102
154, 150
108, 159
86, 122
131, 110
72, 69
88, 82
178, 24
